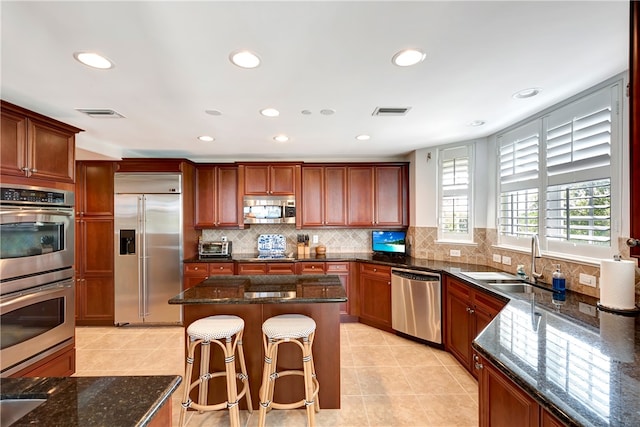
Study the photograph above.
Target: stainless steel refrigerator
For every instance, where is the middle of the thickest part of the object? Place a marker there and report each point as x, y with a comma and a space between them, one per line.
148, 248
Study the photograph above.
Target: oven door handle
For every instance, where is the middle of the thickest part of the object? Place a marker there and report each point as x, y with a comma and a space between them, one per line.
43, 211
38, 292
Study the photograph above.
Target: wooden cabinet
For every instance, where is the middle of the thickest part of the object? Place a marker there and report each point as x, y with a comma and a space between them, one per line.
468, 312
269, 179
634, 124
377, 196
217, 202
502, 402
310, 267
342, 270
94, 237
375, 295
324, 196
245, 268
195, 272
35, 146
62, 363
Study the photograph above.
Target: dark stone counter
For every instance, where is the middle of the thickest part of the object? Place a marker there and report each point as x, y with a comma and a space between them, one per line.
92, 401
276, 289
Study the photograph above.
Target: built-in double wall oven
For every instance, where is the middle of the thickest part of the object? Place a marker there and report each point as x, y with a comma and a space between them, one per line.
37, 292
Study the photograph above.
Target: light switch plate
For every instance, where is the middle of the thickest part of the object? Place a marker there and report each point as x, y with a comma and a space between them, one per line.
506, 260
315, 238
497, 258
454, 252
587, 279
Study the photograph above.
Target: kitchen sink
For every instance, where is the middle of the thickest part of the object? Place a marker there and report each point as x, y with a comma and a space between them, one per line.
11, 410
489, 275
516, 286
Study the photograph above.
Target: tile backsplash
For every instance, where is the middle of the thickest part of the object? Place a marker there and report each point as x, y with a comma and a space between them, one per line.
422, 243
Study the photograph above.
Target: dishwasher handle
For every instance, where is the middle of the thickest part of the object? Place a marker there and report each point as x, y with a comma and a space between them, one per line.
416, 276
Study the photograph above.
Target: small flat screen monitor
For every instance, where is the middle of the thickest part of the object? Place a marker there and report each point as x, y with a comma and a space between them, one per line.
389, 242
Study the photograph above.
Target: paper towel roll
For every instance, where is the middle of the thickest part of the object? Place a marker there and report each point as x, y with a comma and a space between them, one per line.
617, 284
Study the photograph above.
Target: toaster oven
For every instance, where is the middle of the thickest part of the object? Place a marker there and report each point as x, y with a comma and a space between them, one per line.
214, 249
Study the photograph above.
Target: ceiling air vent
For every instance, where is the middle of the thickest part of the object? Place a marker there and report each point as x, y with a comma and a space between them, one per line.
391, 111
100, 113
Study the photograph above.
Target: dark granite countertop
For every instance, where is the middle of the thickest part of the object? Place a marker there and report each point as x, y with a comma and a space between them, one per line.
264, 289
580, 363
91, 401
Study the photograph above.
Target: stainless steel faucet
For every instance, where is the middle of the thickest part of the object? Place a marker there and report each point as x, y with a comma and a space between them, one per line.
535, 254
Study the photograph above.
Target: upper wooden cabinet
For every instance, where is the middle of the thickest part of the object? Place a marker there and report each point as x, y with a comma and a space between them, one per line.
269, 179
217, 202
35, 146
94, 188
377, 196
324, 196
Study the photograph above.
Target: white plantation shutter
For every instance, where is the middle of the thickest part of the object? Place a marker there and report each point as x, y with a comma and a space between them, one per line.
455, 194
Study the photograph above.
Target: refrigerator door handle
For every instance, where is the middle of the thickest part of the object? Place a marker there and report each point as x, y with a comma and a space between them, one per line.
140, 213
145, 285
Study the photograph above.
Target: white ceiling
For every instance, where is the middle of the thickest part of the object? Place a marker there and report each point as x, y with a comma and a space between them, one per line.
172, 64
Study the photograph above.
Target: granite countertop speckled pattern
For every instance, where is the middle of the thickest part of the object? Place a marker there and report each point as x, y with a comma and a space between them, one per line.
295, 289
92, 401
578, 362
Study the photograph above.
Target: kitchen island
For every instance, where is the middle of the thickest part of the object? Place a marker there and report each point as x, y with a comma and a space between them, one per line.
257, 298
95, 401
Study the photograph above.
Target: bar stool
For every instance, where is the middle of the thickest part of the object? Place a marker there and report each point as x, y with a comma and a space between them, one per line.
219, 330
299, 329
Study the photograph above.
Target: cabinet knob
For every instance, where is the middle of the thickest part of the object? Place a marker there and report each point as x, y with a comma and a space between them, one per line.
477, 363
470, 310
34, 170
375, 270
221, 268
195, 268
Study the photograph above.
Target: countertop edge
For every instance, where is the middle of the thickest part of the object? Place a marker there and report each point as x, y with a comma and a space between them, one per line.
160, 402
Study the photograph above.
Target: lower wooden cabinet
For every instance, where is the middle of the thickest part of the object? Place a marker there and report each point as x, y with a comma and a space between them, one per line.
338, 268
195, 272
246, 268
502, 402
62, 363
375, 295
468, 312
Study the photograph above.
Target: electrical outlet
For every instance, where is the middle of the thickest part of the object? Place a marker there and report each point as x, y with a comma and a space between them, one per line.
454, 252
223, 238
506, 260
315, 238
497, 258
587, 279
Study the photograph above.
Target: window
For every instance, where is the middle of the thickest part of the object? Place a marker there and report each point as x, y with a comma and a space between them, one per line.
455, 194
569, 204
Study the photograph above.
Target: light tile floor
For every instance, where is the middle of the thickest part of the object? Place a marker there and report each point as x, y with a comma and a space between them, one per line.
386, 380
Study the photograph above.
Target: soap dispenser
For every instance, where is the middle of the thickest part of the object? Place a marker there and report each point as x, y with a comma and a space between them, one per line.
559, 281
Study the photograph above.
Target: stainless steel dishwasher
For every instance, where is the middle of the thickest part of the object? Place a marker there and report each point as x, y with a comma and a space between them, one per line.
416, 304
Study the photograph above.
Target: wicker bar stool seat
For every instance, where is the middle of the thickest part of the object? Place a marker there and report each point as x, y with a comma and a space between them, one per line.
298, 329
225, 331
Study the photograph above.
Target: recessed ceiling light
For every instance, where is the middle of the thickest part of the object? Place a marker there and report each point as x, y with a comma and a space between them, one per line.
93, 60
244, 59
205, 138
213, 112
408, 57
270, 112
363, 137
477, 123
527, 93
305, 112
281, 138
327, 111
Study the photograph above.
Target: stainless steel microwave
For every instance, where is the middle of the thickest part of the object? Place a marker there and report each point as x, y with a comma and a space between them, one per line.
269, 210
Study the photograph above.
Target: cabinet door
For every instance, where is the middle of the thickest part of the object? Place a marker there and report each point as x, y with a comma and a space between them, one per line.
389, 196
459, 322
205, 196
310, 268
486, 308
341, 269
502, 402
98, 299
282, 180
97, 235
13, 143
375, 295
227, 196
51, 152
281, 268
313, 196
221, 268
244, 268
548, 420
256, 179
360, 196
94, 185
335, 196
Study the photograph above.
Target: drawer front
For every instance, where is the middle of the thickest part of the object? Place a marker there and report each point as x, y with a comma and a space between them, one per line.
375, 269
311, 268
196, 269
337, 267
221, 268
252, 268
281, 268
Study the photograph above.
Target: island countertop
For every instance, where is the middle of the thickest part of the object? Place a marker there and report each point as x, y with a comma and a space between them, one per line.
92, 401
275, 289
